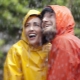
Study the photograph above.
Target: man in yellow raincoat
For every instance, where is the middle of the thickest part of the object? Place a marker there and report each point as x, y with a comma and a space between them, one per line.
27, 59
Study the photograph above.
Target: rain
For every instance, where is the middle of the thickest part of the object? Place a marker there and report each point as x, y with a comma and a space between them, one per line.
12, 13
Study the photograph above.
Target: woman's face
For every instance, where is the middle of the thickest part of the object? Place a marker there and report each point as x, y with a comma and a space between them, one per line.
32, 30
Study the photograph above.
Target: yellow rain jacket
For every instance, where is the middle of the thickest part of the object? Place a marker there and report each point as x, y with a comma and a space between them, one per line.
23, 62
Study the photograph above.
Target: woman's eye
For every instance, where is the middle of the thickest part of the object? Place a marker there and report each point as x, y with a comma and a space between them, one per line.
36, 24
27, 25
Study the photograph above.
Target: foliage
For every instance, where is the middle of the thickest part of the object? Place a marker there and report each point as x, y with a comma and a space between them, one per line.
76, 10
12, 13
77, 32
1, 58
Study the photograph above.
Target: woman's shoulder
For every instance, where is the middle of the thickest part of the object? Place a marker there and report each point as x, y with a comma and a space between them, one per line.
18, 47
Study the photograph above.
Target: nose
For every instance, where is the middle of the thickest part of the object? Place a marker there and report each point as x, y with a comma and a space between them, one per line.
31, 28
45, 19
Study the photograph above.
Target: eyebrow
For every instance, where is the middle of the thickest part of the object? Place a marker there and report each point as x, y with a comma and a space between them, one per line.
36, 22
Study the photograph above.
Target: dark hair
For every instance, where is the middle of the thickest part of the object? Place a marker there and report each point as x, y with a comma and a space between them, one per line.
47, 9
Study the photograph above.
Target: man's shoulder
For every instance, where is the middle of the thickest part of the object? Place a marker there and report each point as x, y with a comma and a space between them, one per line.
61, 38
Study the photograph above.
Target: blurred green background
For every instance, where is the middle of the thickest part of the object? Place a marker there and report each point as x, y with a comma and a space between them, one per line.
12, 13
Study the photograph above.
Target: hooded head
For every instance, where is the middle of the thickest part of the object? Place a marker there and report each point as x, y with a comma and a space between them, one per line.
58, 22
31, 33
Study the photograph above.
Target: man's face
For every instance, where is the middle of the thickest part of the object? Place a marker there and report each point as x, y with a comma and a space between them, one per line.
49, 25
33, 30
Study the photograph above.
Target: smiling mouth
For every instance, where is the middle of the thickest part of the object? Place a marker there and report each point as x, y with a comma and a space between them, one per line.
47, 25
32, 36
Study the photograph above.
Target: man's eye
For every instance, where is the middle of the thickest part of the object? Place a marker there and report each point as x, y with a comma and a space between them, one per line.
50, 15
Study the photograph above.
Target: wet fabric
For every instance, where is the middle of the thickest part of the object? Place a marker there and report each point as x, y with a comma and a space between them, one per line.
64, 57
23, 62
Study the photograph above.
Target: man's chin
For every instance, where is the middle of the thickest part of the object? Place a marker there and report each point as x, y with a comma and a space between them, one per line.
49, 36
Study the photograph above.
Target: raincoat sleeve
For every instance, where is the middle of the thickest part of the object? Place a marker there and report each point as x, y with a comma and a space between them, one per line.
63, 61
12, 69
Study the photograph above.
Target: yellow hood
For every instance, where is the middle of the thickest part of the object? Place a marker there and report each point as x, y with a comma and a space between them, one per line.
31, 12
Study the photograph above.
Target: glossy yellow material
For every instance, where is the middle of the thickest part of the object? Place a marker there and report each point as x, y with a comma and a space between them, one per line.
23, 62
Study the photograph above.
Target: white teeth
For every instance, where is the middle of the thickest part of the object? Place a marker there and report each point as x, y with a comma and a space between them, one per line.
32, 34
